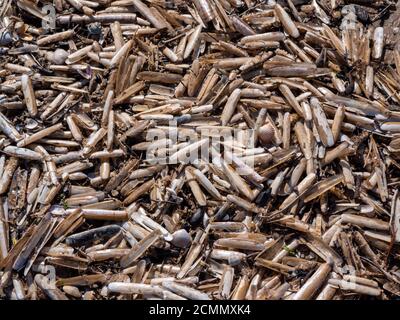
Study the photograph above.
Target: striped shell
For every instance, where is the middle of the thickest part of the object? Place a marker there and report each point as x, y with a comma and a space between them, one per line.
266, 134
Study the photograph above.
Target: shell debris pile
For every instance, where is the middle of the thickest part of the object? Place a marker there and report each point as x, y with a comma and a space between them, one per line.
203, 149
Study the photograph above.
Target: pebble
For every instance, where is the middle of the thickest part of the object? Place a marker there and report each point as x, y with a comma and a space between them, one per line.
59, 56
181, 238
72, 291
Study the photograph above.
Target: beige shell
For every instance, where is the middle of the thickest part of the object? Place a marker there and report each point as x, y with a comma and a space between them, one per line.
266, 134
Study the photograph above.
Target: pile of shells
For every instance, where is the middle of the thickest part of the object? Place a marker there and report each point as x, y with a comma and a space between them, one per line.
204, 149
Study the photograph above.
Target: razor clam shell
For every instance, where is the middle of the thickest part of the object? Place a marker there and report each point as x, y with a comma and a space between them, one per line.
224, 150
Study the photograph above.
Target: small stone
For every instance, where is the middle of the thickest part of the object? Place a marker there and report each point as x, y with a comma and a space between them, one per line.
181, 239
31, 124
59, 56
114, 193
72, 291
